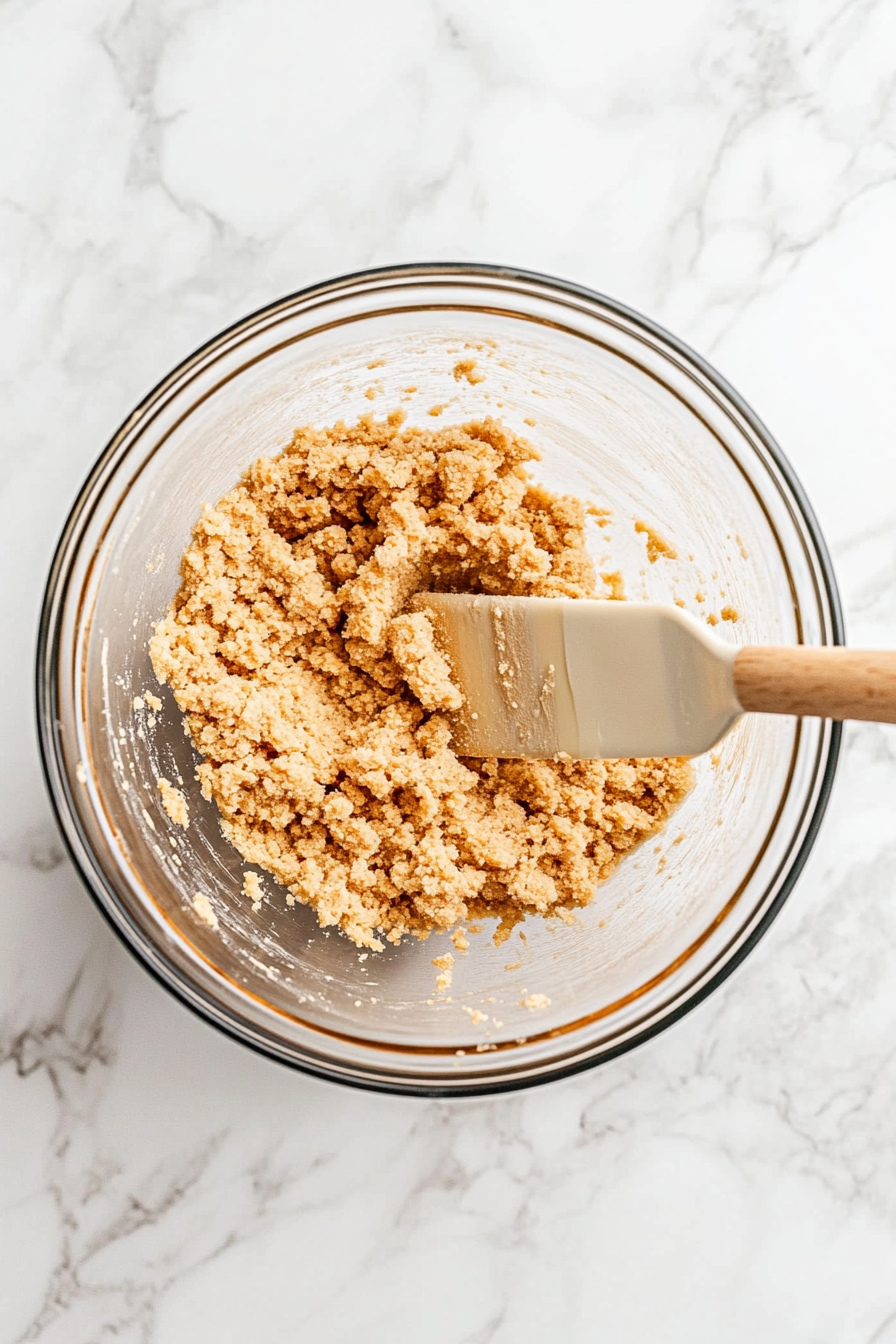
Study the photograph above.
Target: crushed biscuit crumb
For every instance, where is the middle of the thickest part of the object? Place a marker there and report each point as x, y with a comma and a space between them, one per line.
444, 966
252, 889
466, 368
657, 546
411, 641
615, 584
535, 1001
203, 908
317, 707
174, 803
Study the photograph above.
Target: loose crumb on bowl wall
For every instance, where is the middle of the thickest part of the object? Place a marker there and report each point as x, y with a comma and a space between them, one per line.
657, 547
252, 889
174, 803
466, 368
204, 910
535, 1001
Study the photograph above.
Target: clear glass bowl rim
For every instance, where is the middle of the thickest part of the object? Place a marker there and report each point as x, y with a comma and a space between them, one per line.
49, 631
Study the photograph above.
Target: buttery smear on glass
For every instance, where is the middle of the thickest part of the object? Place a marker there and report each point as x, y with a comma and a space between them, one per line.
319, 704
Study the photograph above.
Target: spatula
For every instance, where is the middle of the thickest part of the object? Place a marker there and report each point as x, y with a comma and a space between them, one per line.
608, 679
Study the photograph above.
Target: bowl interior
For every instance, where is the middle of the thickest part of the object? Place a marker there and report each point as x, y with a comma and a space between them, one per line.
622, 421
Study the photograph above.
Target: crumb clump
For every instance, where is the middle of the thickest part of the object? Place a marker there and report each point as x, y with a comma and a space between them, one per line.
317, 703
460, 940
535, 1001
204, 910
466, 368
445, 966
252, 890
657, 546
174, 803
412, 644
615, 586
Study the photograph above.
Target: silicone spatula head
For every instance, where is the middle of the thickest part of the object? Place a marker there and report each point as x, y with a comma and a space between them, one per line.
542, 676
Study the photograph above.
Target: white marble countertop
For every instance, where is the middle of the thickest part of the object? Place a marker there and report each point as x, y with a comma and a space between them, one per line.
730, 169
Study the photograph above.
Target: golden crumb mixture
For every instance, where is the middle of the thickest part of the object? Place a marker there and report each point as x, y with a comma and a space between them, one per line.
315, 700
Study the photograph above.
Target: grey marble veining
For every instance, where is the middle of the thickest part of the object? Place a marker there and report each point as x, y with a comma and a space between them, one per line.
729, 168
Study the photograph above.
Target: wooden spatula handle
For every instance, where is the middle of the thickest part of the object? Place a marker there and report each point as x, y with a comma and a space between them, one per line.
830, 683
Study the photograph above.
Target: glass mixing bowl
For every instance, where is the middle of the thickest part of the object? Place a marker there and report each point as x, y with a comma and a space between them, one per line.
626, 417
